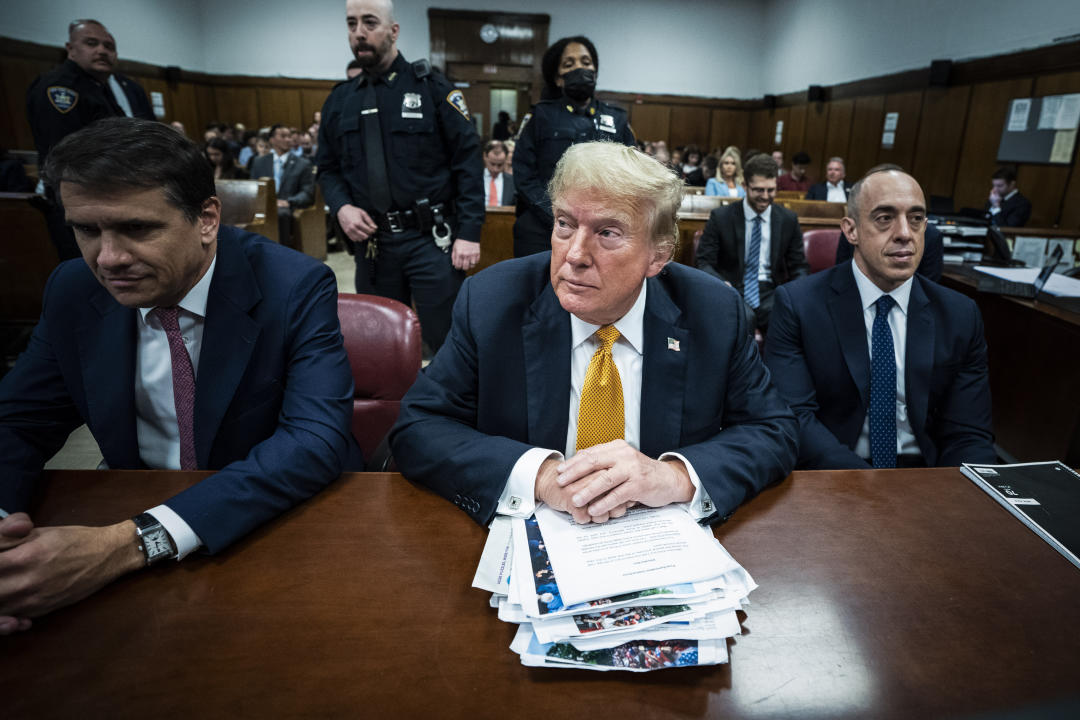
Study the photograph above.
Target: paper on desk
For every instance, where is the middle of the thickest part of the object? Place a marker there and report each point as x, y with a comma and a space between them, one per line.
493, 572
646, 548
1030, 250
633, 655
1058, 285
715, 626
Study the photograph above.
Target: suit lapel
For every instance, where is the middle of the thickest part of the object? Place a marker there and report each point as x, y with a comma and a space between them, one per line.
547, 374
919, 360
845, 308
107, 352
738, 217
229, 337
663, 374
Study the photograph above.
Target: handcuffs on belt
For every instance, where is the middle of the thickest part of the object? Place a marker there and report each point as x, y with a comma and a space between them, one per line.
425, 215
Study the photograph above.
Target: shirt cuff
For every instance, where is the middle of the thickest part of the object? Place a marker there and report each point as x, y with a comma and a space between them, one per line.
701, 505
995, 210
183, 537
518, 498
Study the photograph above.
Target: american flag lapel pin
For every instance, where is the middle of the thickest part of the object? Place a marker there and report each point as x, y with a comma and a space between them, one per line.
673, 344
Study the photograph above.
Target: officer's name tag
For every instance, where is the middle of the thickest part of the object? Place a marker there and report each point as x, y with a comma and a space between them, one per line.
414, 115
607, 123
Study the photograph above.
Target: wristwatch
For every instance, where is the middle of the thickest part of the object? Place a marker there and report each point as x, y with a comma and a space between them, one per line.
153, 539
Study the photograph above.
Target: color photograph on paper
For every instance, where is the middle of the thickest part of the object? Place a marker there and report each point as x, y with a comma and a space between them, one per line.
637, 655
547, 590
625, 617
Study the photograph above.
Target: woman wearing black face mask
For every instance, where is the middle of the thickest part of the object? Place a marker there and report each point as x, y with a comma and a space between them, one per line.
568, 114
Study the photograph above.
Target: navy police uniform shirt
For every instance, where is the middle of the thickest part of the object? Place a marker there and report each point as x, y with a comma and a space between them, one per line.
432, 149
547, 131
67, 99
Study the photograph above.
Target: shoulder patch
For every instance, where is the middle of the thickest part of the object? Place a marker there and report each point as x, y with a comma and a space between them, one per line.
64, 99
457, 99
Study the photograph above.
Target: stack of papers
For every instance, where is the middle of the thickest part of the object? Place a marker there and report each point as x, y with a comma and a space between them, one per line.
650, 590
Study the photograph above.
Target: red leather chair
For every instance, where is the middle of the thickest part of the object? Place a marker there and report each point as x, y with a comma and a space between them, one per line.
819, 245
382, 339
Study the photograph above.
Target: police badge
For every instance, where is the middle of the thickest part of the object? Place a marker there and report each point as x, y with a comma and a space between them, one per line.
410, 104
607, 123
62, 98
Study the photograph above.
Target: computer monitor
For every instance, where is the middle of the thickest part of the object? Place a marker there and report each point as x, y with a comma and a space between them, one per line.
996, 248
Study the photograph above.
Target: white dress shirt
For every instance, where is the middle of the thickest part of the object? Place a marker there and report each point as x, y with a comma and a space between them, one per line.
498, 187
869, 294
155, 408
120, 95
764, 270
518, 496
836, 192
995, 209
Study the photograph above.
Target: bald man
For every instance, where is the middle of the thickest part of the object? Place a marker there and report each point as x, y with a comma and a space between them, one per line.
883, 367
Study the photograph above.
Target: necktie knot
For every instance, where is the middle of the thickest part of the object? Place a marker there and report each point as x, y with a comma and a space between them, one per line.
608, 334
757, 219
884, 304
168, 316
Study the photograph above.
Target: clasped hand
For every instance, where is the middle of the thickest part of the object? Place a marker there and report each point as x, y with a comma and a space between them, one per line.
604, 481
45, 568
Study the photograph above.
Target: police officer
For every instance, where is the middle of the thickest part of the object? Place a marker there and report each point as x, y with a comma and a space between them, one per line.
75, 94
570, 115
399, 164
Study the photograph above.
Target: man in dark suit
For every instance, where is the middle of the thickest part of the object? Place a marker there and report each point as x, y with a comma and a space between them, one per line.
498, 186
882, 366
642, 374
294, 179
1006, 207
835, 188
182, 345
758, 229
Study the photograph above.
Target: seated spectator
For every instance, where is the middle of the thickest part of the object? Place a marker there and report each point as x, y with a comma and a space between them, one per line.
182, 344
294, 179
219, 153
834, 189
248, 151
691, 168
795, 180
262, 146
306, 144
882, 367
1006, 206
498, 186
754, 246
778, 157
510, 412
178, 127
730, 183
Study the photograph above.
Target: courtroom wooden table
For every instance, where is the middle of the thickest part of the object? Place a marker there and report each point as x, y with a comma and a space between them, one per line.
882, 594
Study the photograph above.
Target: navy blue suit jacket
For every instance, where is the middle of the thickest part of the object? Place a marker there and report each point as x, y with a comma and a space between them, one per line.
818, 354
273, 397
500, 385
820, 191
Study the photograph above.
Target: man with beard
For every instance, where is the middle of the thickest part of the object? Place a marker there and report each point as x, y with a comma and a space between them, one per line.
75, 94
399, 164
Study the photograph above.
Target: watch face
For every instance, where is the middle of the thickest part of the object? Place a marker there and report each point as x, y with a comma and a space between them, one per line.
157, 543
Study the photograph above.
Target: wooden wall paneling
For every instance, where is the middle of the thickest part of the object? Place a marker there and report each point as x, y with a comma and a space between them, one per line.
279, 105
1046, 185
236, 104
762, 129
837, 133
794, 132
311, 100
651, 122
909, 106
1070, 204
982, 135
689, 124
152, 85
729, 127
207, 109
184, 106
817, 124
940, 134
865, 140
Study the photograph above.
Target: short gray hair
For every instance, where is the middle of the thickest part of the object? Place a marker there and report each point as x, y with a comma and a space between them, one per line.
628, 178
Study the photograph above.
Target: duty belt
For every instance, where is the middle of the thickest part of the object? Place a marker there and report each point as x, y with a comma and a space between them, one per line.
422, 217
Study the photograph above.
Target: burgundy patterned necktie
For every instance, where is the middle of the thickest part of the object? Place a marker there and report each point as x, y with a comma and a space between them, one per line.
183, 378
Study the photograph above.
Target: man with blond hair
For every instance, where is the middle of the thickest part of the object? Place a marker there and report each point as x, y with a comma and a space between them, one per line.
597, 376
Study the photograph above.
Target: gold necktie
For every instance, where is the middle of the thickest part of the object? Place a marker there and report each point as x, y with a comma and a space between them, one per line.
600, 415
